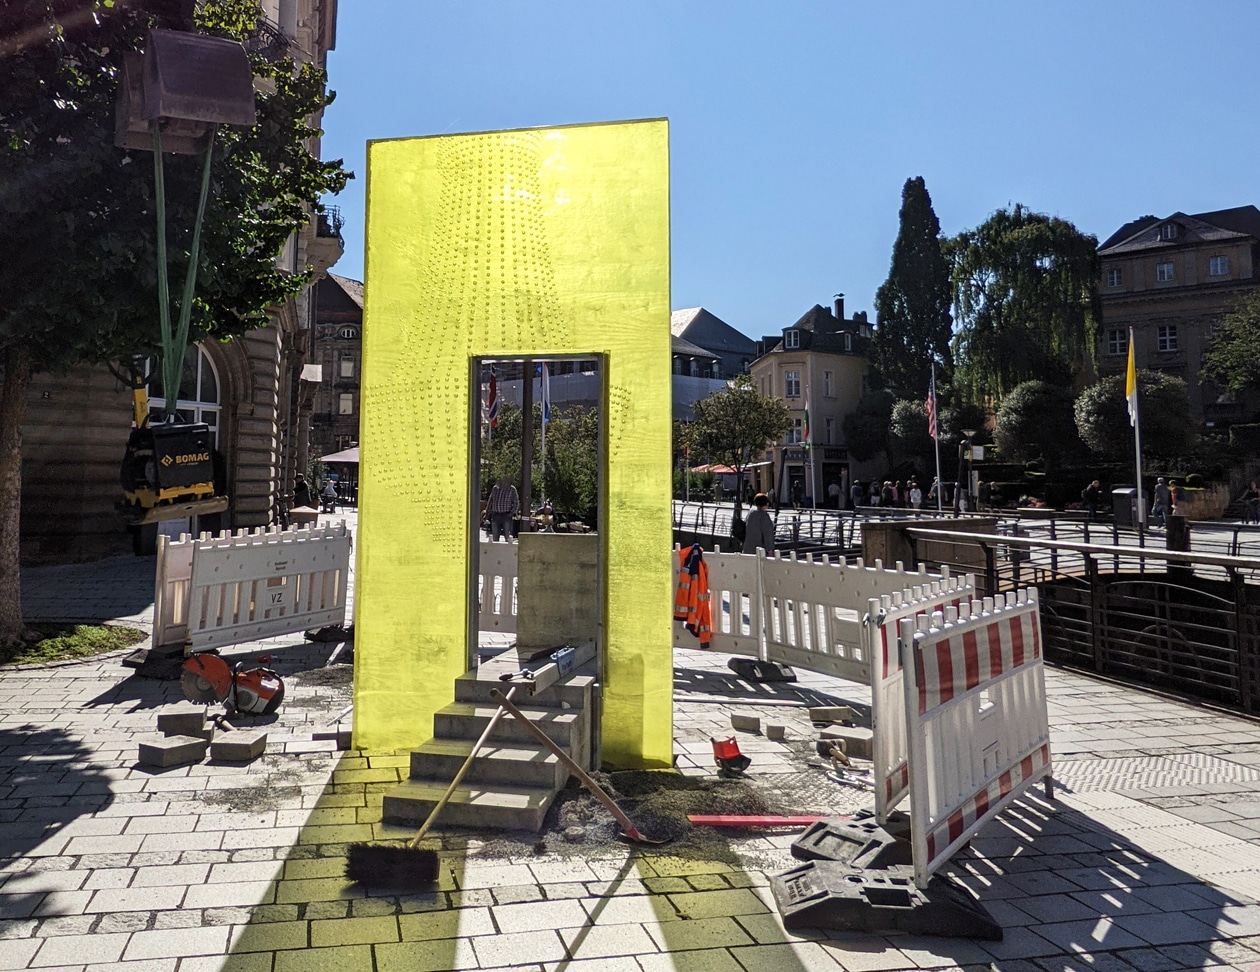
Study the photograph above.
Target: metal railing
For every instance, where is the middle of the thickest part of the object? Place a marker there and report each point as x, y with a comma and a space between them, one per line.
1185, 621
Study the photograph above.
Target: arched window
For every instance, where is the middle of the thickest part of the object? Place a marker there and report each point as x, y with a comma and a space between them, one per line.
198, 391
348, 333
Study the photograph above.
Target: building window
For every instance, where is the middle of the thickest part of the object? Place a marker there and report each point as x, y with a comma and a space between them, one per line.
715, 369
1218, 266
198, 391
347, 333
678, 366
345, 404
1166, 337
1115, 277
1168, 231
1164, 272
794, 433
1117, 341
828, 391
792, 339
792, 384
829, 429
347, 366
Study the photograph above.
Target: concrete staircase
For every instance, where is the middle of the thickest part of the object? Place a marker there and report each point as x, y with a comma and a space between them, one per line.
513, 781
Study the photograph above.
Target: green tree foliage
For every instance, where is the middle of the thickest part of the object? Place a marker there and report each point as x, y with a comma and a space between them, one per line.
734, 425
1168, 427
1037, 420
1232, 358
1025, 302
571, 471
78, 264
912, 305
866, 427
78, 282
909, 428
569, 479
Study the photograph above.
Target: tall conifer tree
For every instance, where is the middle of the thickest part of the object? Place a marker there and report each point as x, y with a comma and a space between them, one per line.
912, 306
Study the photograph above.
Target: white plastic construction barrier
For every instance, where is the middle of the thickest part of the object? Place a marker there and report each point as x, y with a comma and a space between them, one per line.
170, 594
497, 587
247, 586
890, 753
733, 602
976, 719
801, 612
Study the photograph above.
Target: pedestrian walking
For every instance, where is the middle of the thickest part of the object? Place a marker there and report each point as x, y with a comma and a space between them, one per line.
1251, 501
916, 497
302, 492
857, 495
503, 505
1092, 495
1162, 503
833, 494
758, 527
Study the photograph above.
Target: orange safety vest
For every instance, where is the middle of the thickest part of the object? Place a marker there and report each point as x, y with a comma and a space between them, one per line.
691, 599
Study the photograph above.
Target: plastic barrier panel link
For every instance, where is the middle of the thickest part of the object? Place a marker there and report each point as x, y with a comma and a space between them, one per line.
891, 756
977, 728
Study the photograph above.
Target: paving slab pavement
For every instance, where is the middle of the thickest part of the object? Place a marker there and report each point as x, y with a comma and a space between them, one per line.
1149, 858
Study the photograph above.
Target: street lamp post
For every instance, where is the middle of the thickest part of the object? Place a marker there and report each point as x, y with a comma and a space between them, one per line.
963, 486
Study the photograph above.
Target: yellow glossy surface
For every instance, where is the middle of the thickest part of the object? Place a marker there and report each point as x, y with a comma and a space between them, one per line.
535, 242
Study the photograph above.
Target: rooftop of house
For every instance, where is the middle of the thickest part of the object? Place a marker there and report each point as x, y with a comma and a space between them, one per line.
1146, 233
709, 331
679, 345
352, 288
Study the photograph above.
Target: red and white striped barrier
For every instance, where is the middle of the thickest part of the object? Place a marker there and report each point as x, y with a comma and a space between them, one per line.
977, 728
890, 752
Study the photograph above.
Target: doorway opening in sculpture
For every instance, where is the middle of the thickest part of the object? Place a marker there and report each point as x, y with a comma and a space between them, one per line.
537, 474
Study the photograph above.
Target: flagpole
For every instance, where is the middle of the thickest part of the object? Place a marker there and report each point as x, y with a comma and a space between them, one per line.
1131, 392
936, 441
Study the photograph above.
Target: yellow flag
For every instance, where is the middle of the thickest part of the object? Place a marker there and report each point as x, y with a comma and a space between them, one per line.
1130, 385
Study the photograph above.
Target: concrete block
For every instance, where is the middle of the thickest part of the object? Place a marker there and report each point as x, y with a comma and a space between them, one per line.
858, 740
239, 747
167, 751
745, 723
831, 713
187, 720
342, 736
778, 733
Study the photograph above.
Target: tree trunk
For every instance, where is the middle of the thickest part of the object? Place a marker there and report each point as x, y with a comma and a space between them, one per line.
17, 376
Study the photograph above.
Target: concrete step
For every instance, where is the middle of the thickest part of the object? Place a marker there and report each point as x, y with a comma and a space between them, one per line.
500, 806
467, 720
575, 691
517, 764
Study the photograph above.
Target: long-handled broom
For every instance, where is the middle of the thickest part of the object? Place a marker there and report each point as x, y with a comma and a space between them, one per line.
410, 867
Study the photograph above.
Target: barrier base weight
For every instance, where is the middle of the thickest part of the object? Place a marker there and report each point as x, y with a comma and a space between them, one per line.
752, 670
857, 842
829, 894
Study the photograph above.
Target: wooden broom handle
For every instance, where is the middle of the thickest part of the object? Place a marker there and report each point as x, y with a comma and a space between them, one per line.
596, 790
463, 770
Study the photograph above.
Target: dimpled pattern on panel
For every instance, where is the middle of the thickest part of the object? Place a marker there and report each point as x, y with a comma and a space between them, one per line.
546, 241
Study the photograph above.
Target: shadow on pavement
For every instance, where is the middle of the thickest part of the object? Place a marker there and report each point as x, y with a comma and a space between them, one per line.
49, 790
117, 587
700, 682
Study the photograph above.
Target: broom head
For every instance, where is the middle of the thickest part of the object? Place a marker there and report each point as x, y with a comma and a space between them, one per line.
382, 866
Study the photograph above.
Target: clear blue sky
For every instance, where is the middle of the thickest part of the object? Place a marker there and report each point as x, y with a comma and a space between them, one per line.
793, 125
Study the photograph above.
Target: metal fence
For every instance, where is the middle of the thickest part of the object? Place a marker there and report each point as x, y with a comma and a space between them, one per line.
1183, 621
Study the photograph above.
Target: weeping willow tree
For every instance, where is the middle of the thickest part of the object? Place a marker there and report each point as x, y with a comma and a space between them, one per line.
1025, 302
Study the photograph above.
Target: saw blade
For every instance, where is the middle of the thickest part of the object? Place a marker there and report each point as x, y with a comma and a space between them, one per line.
196, 688
206, 678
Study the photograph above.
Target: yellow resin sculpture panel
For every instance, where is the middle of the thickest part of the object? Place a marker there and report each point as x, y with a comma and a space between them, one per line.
511, 244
